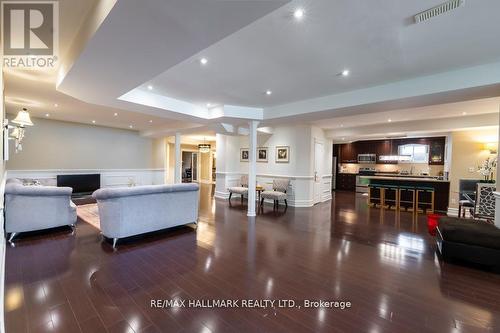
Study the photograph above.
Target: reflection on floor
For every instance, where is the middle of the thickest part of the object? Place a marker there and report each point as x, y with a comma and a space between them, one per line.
381, 261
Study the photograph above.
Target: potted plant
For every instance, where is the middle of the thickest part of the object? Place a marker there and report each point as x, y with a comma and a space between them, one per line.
487, 170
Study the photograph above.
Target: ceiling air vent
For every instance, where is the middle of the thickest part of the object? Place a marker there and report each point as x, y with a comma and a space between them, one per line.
438, 10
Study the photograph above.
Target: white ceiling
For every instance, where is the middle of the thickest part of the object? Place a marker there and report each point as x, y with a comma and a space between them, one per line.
263, 47
449, 110
375, 40
36, 89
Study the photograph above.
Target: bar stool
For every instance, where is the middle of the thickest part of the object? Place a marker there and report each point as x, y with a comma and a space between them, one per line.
391, 196
422, 192
376, 195
407, 196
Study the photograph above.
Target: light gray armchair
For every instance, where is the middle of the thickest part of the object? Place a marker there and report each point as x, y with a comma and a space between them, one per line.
30, 208
241, 190
278, 193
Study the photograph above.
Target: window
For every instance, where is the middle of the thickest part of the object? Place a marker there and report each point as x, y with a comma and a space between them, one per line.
414, 153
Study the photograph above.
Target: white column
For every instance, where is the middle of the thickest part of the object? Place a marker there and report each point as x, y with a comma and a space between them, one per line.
252, 166
178, 159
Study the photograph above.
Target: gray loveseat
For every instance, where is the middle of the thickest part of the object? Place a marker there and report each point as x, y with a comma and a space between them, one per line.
130, 211
30, 208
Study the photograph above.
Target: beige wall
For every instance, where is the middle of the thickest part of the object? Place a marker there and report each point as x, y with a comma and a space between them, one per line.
468, 153
62, 145
204, 162
205, 166
171, 158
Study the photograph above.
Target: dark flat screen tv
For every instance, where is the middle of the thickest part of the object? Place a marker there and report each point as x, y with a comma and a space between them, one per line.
81, 184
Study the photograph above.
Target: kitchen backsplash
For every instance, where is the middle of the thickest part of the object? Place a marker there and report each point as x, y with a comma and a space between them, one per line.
432, 170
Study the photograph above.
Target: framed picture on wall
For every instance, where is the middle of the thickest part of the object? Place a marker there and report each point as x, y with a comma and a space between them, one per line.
262, 153
244, 155
282, 154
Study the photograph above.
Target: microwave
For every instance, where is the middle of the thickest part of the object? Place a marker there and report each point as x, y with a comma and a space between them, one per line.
367, 158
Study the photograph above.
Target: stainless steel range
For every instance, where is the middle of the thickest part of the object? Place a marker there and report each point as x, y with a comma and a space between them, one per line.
362, 184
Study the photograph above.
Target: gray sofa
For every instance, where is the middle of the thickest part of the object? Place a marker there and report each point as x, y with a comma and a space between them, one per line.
30, 208
130, 211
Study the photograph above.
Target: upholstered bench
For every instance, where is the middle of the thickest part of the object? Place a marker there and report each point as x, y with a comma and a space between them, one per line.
470, 240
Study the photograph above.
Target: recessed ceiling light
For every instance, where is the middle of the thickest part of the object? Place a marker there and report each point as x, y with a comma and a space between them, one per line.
268, 92
464, 113
150, 121
203, 61
115, 114
47, 115
130, 126
93, 121
389, 120
298, 13
345, 72
209, 105
343, 139
341, 125
150, 87
56, 105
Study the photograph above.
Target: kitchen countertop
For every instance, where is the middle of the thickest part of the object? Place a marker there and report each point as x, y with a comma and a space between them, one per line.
407, 178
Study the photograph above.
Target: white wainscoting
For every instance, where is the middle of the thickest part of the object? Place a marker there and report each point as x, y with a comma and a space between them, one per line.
326, 193
299, 192
109, 177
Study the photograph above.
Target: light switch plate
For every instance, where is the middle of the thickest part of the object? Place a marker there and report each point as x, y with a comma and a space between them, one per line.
472, 169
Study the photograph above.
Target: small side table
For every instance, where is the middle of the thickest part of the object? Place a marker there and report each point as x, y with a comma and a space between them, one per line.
259, 189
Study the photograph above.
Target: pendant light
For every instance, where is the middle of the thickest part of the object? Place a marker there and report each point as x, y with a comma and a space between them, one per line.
204, 147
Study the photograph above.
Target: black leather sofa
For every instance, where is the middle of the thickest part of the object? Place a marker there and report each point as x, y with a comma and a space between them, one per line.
468, 240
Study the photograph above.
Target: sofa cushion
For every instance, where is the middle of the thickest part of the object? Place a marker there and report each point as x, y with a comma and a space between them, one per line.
274, 195
108, 193
238, 190
14, 181
17, 189
470, 232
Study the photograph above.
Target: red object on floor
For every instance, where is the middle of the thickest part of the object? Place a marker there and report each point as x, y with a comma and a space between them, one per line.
432, 222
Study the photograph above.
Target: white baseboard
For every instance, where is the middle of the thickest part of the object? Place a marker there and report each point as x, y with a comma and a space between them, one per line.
291, 202
452, 211
221, 195
326, 197
301, 203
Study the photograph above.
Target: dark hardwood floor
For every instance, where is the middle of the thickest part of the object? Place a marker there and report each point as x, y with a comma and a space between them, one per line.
381, 261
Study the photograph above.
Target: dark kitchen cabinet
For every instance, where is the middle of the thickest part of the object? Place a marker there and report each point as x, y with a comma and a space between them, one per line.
386, 148
436, 151
346, 182
348, 153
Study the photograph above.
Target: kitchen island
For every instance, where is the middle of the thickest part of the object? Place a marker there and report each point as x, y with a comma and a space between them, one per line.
441, 187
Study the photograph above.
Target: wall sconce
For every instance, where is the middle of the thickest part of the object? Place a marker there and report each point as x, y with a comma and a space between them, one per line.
18, 128
492, 147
